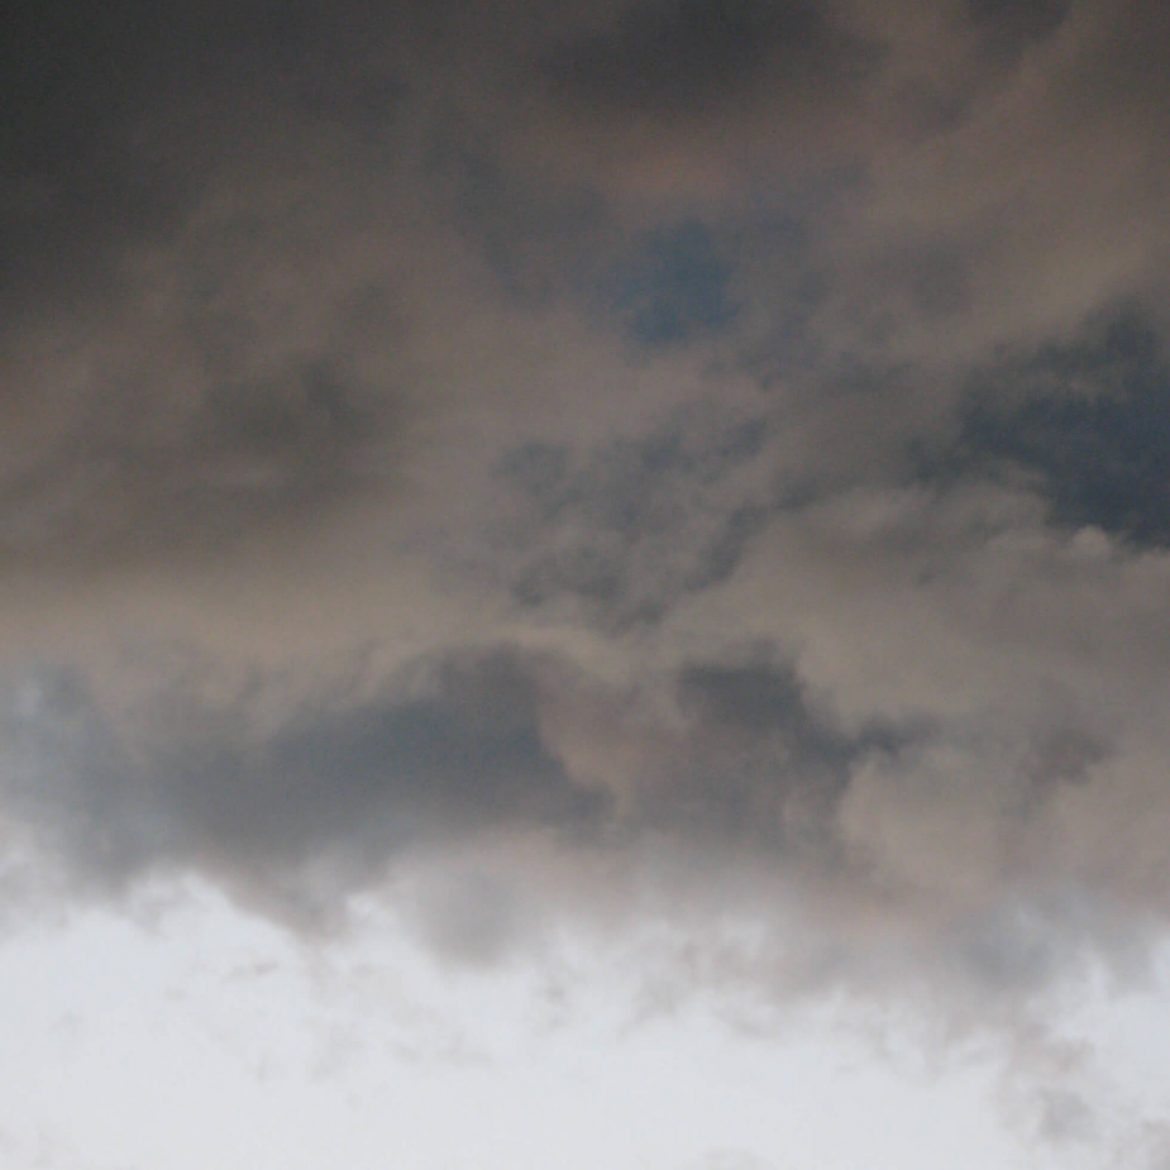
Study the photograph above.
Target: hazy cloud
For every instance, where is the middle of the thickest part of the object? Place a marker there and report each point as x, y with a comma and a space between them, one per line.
731, 436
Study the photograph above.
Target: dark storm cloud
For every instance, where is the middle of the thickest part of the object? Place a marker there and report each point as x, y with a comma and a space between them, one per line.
1018, 22
455, 752
172, 378
298, 814
1084, 423
768, 763
121, 115
536, 239
600, 333
679, 58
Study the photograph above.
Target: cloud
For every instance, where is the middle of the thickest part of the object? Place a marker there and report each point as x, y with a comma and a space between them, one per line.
631, 525
319, 803
1086, 422
732, 1160
700, 421
685, 57
674, 286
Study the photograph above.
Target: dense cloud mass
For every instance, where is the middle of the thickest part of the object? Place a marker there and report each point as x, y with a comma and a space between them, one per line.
696, 457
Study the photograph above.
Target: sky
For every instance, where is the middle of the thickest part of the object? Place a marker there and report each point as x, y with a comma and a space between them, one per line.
584, 585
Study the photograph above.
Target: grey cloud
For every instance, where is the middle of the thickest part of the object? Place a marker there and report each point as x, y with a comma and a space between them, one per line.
228, 372
1024, 22
345, 786
204, 343
674, 286
768, 762
636, 524
632, 330
1086, 422
1066, 1118
319, 79
246, 456
1024, 944
1024, 207
542, 241
299, 812
124, 115
732, 1160
472, 916
681, 57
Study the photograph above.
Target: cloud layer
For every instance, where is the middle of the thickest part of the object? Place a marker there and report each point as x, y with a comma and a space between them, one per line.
686, 456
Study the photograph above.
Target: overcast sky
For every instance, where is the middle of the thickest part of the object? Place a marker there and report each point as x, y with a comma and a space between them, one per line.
585, 585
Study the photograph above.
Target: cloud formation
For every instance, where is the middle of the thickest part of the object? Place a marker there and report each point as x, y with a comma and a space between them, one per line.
727, 436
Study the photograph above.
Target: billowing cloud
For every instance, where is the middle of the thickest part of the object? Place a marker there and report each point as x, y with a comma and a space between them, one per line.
598, 466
